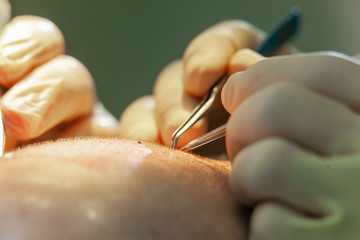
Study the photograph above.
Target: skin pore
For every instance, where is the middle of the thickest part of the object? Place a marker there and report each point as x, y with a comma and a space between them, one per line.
115, 189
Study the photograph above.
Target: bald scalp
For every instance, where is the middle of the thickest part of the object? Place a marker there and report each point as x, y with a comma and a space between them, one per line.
115, 189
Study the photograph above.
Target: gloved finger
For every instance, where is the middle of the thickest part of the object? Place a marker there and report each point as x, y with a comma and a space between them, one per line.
206, 57
243, 59
174, 106
138, 121
100, 123
10, 143
276, 169
283, 109
5, 13
272, 221
58, 91
26, 42
331, 74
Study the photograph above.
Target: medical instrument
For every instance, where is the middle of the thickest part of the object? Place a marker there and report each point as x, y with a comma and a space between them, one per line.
271, 44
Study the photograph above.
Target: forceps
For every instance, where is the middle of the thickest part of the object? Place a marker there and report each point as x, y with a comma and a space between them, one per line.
273, 42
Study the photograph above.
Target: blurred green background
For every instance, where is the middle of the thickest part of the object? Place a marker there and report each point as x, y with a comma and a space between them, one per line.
125, 43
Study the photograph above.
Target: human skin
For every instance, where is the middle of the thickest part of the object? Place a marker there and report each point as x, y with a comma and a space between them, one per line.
115, 189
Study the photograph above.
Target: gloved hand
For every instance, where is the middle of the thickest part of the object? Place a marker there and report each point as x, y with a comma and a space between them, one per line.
222, 48
5, 12
46, 94
294, 141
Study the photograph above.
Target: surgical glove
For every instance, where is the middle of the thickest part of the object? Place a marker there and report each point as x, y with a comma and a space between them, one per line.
294, 142
138, 121
5, 12
180, 86
46, 92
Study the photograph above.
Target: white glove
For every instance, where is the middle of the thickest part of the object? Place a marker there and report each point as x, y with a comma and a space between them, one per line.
294, 140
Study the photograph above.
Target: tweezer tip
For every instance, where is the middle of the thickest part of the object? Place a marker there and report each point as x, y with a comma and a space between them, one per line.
173, 143
185, 148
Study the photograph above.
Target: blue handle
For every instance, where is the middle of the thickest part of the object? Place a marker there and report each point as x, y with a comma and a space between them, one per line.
283, 33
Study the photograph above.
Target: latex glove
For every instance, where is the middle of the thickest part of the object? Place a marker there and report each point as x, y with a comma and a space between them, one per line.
180, 86
5, 12
45, 89
294, 141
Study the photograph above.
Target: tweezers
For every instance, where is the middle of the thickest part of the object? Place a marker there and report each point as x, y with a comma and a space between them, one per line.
280, 35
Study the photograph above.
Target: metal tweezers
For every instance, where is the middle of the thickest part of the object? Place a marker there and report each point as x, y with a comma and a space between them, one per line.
271, 44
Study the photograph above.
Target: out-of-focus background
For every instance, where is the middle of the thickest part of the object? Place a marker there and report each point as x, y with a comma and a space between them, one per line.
125, 43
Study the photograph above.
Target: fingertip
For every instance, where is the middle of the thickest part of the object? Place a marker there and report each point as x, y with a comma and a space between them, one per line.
192, 79
58, 91
172, 121
237, 180
138, 121
199, 80
243, 59
265, 221
246, 70
103, 122
27, 42
174, 105
235, 88
207, 56
203, 68
257, 169
231, 94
